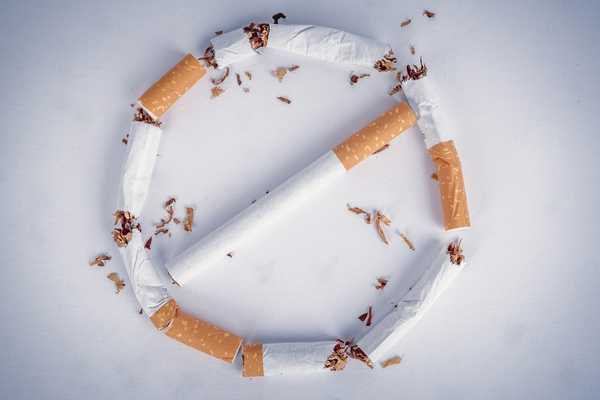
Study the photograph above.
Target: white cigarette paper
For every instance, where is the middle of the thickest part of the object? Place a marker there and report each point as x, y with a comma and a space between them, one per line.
411, 307
144, 140
322, 43
286, 197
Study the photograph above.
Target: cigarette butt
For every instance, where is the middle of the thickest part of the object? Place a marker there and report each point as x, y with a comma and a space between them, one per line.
375, 135
196, 333
252, 360
452, 185
174, 84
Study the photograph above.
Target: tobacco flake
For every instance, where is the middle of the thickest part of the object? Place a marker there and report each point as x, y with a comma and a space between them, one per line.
434, 176
209, 57
367, 317
278, 16
258, 34
248, 75
100, 260
230, 254
391, 361
359, 211
284, 99
216, 91
379, 219
355, 78
381, 283
220, 80
169, 208
238, 79
387, 63
382, 148
125, 139
455, 252
126, 223
189, 219
280, 73
164, 231
342, 351
246, 90
119, 283
148, 244
412, 50
217, 33
428, 14
293, 67
405, 22
407, 241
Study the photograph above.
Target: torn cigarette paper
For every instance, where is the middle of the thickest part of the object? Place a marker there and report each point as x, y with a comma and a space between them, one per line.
291, 194
272, 359
378, 342
433, 125
323, 43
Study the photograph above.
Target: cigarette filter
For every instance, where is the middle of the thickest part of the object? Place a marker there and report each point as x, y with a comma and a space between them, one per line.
167, 90
273, 359
431, 122
196, 333
292, 193
411, 307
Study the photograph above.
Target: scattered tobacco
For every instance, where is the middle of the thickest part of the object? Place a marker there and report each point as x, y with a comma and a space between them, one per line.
125, 140
387, 63
148, 244
381, 283
218, 33
391, 361
258, 35
189, 219
413, 72
382, 148
238, 79
407, 241
355, 78
434, 176
164, 231
216, 91
142, 116
284, 99
220, 80
359, 211
405, 22
100, 260
126, 223
119, 283
209, 57
280, 73
278, 16
455, 252
428, 14
379, 219
230, 254
248, 75
367, 317
169, 208
141, 311
342, 351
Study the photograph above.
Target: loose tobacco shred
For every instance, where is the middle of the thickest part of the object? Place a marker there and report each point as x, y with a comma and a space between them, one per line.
379, 219
405, 22
148, 244
381, 283
216, 91
220, 80
284, 99
455, 252
189, 219
355, 78
258, 35
428, 14
342, 351
407, 241
412, 50
382, 148
119, 283
391, 361
248, 75
387, 63
238, 79
100, 260
142, 116
359, 211
367, 317
126, 223
278, 16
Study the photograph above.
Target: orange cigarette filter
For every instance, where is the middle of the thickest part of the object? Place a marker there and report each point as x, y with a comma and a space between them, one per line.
374, 136
167, 90
196, 333
252, 360
452, 185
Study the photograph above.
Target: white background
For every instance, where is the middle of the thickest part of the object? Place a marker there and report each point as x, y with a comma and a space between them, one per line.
518, 80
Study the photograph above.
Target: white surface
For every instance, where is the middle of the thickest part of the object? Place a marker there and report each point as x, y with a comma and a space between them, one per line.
281, 359
256, 218
411, 307
519, 81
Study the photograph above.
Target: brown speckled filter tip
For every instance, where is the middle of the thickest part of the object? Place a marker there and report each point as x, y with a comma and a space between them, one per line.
164, 93
374, 136
196, 333
452, 185
252, 360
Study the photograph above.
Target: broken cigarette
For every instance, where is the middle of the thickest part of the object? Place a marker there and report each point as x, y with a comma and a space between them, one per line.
274, 359
411, 307
291, 193
319, 42
175, 83
431, 122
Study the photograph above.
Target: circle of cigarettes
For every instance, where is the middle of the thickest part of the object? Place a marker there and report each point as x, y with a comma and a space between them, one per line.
262, 359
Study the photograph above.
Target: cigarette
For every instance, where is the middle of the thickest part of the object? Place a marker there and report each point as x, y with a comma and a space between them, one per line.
279, 359
175, 83
432, 123
318, 42
292, 193
411, 307
196, 333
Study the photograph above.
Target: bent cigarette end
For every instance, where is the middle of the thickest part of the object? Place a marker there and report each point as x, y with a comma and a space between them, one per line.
252, 360
171, 86
196, 333
375, 135
452, 185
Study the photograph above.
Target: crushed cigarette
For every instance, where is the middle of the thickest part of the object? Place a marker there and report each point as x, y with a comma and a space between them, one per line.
382, 148
148, 244
284, 99
142, 116
381, 218
428, 14
220, 80
405, 22
248, 75
391, 361
342, 351
238, 79
126, 223
381, 283
367, 317
407, 241
455, 252
359, 211
216, 91
434, 176
100, 260
355, 78
278, 16
119, 283
189, 219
